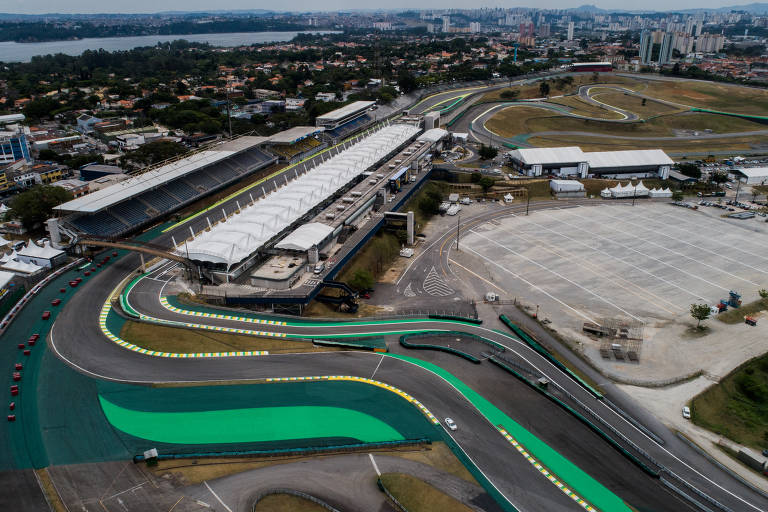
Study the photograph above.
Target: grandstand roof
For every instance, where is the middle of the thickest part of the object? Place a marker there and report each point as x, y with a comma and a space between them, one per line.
136, 185
293, 134
346, 110
305, 237
244, 233
631, 158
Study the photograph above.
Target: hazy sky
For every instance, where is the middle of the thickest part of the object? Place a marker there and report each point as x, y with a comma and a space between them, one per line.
144, 6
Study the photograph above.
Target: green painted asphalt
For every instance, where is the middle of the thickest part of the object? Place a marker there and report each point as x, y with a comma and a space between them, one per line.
262, 424
583, 484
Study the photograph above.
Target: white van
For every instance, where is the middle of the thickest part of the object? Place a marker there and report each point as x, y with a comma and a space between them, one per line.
319, 267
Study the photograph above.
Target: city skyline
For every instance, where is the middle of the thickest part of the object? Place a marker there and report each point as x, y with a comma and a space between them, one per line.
149, 7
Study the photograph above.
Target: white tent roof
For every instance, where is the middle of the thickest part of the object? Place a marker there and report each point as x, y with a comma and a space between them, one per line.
20, 267
640, 187
3, 241
548, 156
433, 135
632, 158
305, 237
5, 278
244, 233
33, 250
8, 257
3, 208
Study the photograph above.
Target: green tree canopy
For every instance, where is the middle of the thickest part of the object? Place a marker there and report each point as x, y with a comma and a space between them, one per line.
690, 170
700, 312
34, 206
155, 152
487, 152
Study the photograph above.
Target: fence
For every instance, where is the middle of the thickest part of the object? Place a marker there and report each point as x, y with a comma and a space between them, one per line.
389, 495
293, 492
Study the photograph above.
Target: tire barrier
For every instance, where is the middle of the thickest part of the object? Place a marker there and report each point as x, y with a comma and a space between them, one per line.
457, 318
415, 346
299, 494
544, 352
374, 344
293, 452
11, 315
623, 451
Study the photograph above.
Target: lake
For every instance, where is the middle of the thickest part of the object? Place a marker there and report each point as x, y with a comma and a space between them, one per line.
11, 51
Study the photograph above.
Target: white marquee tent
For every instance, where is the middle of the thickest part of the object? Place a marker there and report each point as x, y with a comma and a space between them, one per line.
242, 234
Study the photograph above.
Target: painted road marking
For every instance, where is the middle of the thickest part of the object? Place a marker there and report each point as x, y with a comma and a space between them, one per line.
435, 285
561, 276
375, 467
544, 471
217, 497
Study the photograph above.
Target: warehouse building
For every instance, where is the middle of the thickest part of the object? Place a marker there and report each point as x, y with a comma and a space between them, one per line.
752, 175
572, 161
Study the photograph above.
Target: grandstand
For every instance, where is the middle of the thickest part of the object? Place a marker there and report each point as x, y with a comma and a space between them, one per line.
343, 115
347, 129
233, 244
130, 204
296, 143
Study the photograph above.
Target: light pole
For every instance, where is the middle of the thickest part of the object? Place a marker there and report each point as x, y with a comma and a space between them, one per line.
527, 200
458, 224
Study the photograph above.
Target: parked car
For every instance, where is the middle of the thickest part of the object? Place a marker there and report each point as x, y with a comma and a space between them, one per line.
686, 412
451, 424
46, 315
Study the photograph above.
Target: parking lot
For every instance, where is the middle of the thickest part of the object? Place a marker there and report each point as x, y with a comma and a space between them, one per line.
641, 266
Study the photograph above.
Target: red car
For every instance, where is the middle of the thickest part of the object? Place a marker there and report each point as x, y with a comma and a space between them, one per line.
14, 390
46, 315
73, 283
79, 279
27, 352
18, 366
62, 290
55, 302
11, 406
35, 337
16, 376
21, 346
87, 272
11, 417
31, 343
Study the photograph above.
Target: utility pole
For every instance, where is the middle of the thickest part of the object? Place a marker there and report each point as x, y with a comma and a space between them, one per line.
458, 224
634, 193
527, 200
738, 186
229, 115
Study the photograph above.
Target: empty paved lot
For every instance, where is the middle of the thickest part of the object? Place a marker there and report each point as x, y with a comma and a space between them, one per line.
645, 263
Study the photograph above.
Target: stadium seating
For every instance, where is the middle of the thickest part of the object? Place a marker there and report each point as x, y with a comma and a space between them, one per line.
202, 179
100, 224
180, 189
348, 128
159, 200
132, 211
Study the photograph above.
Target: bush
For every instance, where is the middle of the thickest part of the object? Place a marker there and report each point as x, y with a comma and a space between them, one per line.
509, 94
362, 279
752, 388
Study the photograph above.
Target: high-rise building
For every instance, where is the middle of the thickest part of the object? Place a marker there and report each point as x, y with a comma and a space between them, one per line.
683, 43
13, 147
570, 31
446, 23
665, 53
699, 23
474, 27
526, 29
709, 43
543, 30
646, 47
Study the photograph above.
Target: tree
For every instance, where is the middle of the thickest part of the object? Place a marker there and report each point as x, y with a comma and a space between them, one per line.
699, 312
475, 177
487, 152
34, 206
763, 293
691, 170
362, 279
406, 81
755, 193
486, 183
509, 94
544, 89
718, 177
41, 108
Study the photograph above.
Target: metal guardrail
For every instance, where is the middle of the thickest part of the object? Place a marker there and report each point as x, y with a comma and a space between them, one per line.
292, 492
389, 495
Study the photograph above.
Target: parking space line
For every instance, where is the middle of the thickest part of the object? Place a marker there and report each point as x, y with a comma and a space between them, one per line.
632, 265
561, 276
600, 272
694, 225
521, 278
645, 240
610, 240
698, 247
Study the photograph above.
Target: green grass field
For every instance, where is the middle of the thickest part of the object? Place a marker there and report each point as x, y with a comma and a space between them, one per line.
712, 95
632, 103
286, 503
418, 496
582, 108
737, 407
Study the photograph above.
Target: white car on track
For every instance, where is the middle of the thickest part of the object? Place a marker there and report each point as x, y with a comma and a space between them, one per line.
451, 424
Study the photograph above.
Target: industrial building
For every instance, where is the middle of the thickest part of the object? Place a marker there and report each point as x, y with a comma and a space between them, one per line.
752, 175
572, 161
